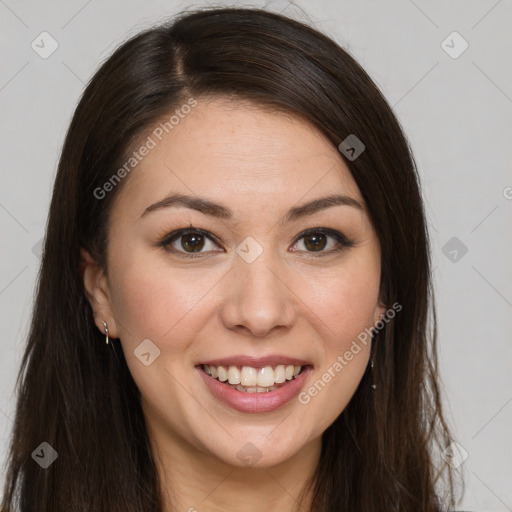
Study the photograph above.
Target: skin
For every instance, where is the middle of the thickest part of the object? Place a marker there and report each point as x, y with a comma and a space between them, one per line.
291, 300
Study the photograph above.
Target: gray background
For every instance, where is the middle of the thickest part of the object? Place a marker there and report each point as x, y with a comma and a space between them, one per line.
455, 111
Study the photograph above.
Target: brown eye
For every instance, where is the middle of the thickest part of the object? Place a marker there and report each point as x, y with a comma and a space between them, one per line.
322, 241
192, 242
315, 242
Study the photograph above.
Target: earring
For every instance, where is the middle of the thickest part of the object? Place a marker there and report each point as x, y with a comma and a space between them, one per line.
106, 331
107, 342
372, 364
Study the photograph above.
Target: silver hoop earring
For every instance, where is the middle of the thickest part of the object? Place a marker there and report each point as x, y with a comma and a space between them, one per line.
106, 331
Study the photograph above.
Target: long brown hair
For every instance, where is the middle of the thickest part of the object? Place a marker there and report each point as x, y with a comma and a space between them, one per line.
78, 396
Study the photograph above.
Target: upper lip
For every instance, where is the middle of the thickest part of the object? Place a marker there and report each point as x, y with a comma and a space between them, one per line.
256, 362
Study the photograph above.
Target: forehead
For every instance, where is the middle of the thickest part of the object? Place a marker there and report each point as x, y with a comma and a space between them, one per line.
238, 154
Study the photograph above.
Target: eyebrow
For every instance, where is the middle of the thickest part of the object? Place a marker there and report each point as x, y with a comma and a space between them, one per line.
217, 210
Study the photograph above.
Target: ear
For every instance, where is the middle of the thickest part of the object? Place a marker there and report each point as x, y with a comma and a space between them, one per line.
97, 292
380, 312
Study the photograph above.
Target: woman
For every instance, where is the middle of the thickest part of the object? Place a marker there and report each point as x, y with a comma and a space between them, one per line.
233, 305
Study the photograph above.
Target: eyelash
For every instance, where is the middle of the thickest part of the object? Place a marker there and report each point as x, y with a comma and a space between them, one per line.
167, 240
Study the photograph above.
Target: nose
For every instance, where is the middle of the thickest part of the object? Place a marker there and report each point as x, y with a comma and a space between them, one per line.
258, 297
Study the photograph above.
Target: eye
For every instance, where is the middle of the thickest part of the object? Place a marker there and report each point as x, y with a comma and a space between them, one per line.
195, 242
188, 242
317, 240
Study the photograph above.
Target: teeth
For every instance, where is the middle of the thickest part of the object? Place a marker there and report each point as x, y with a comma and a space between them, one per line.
253, 380
279, 374
222, 373
253, 389
266, 377
248, 376
234, 375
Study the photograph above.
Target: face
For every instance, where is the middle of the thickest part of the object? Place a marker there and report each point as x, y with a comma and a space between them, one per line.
245, 276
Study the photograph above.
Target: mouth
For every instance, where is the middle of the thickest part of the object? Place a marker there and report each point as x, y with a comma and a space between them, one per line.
254, 379
264, 387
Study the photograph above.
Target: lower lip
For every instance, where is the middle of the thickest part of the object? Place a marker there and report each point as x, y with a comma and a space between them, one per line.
255, 402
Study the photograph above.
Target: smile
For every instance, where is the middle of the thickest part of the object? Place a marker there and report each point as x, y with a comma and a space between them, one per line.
254, 380
254, 389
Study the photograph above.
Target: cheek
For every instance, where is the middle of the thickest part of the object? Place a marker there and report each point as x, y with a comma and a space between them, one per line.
352, 306
149, 304
151, 300
344, 300
342, 305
